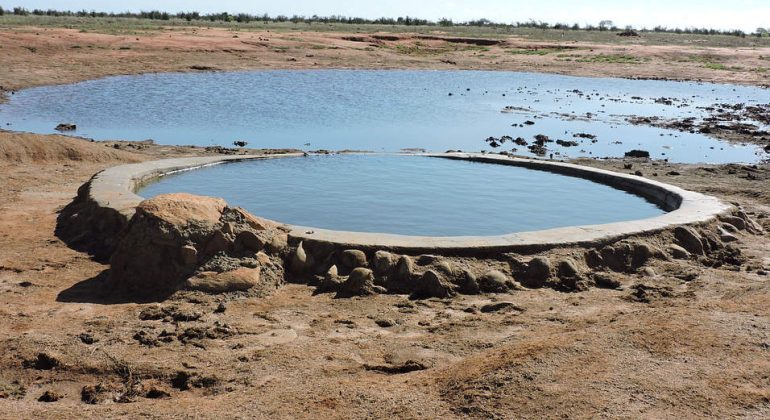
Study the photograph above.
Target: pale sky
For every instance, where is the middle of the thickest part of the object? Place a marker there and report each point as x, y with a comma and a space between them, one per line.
720, 14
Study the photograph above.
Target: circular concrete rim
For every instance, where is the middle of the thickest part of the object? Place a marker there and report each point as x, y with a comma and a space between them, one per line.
115, 188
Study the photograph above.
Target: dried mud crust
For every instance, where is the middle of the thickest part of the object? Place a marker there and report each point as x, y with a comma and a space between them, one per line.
736, 123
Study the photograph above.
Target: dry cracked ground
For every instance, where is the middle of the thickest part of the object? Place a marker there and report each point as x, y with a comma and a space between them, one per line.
675, 338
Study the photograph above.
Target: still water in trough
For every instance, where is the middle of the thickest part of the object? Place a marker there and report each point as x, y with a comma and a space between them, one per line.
412, 195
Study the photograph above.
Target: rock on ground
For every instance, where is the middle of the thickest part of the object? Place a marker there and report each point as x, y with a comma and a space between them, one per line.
181, 240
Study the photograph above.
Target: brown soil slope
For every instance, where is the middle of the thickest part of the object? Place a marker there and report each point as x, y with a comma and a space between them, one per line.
22, 148
692, 340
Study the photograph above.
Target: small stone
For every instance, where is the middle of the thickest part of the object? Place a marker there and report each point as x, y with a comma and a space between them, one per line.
567, 268
628, 255
353, 258
641, 252
711, 242
50, 396
493, 281
332, 273
606, 281
152, 313
157, 393
249, 240
467, 283
689, 239
751, 225
726, 236
91, 394
385, 323
446, 268
66, 127
537, 273
638, 154
228, 228
144, 338
678, 252
331, 282
616, 257
87, 338
383, 262
687, 276
648, 272
229, 281
182, 380
426, 259
221, 308
500, 307
262, 258
43, 361
278, 244
188, 255
734, 220
647, 294
359, 283
218, 242
404, 268
433, 284
593, 258
299, 260
379, 289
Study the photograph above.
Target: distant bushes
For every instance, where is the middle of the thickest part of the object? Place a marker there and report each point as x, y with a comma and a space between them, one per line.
604, 25
699, 31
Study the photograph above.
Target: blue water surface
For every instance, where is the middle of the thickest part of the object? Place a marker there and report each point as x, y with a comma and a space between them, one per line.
412, 195
384, 111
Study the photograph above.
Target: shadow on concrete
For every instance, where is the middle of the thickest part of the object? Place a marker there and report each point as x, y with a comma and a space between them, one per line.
86, 227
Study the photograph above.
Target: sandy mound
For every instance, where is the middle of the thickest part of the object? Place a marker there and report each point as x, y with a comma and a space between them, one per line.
33, 148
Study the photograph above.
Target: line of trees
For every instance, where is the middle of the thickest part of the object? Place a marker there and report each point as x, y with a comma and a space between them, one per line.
604, 25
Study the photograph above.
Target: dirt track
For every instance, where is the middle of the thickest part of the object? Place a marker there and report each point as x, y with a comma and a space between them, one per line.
697, 342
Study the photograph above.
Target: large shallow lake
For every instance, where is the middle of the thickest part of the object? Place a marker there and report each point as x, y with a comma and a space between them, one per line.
384, 111
410, 195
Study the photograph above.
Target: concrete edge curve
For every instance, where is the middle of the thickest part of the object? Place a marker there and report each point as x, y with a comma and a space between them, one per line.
114, 188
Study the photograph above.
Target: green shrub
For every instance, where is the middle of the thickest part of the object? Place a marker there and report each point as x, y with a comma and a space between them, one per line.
715, 66
612, 59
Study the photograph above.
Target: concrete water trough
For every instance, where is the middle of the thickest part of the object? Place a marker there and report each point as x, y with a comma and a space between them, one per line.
113, 191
